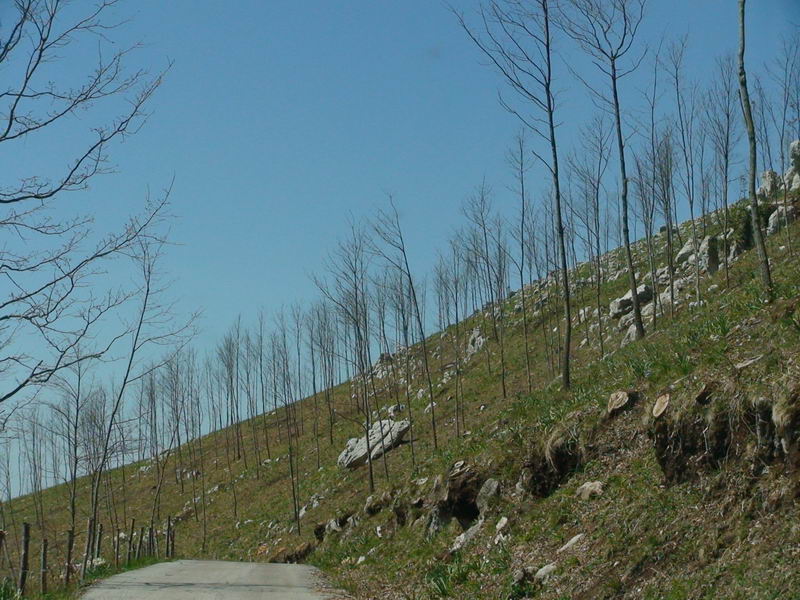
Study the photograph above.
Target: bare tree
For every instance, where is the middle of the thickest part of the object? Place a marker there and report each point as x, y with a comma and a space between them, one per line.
49, 264
723, 134
606, 30
517, 40
758, 233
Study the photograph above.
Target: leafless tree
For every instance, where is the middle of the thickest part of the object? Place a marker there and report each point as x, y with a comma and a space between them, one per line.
51, 265
723, 133
517, 39
607, 30
758, 233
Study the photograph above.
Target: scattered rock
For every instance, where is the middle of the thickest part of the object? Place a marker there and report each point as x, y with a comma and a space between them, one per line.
383, 436
501, 524
685, 252
624, 304
630, 336
571, 543
589, 489
466, 537
545, 572
779, 218
487, 494
747, 363
708, 255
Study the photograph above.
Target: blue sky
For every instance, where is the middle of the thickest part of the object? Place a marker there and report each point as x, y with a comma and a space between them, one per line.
281, 120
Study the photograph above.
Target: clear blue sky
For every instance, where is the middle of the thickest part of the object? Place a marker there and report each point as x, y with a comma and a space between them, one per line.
282, 119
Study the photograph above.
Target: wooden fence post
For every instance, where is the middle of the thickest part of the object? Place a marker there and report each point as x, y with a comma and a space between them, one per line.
130, 540
172, 542
167, 535
150, 544
23, 565
99, 541
43, 567
116, 548
87, 552
139, 543
68, 565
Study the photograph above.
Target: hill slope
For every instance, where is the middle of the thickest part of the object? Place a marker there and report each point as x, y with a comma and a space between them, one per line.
698, 502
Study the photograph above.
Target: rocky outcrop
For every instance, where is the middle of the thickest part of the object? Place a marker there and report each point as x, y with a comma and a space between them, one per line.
708, 255
771, 184
791, 178
383, 436
624, 304
780, 217
685, 252
475, 343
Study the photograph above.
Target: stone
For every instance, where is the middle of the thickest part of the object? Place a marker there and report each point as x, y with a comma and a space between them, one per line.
748, 362
545, 572
574, 540
589, 489
708, 255
466, 537
383, 436
501, 524
780, 217
430, 407
685, 252
395, 409
624, 304
619, 401
487, 494
630, 336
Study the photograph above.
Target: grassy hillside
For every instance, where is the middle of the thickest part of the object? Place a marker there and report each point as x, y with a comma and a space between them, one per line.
699, 502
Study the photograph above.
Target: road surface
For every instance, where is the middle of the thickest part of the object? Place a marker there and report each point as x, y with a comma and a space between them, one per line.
213, 579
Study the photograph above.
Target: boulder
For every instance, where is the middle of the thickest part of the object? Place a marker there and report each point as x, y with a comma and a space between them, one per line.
685, 252
383, 436
779, 218
708, 255
624, 304
791, 178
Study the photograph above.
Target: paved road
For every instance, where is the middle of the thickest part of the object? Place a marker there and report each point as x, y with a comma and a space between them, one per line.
213, 579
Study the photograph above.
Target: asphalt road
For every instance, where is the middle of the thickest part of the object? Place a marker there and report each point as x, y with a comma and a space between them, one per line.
213, 579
